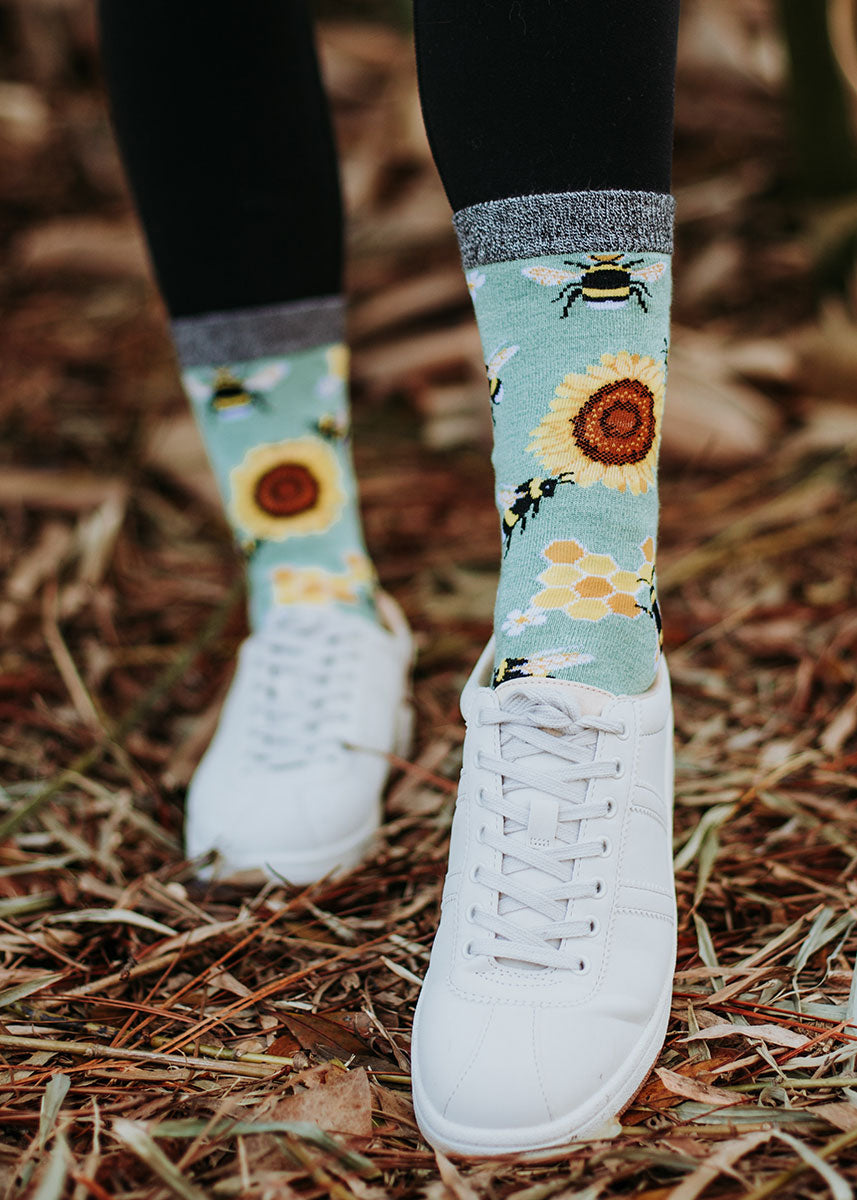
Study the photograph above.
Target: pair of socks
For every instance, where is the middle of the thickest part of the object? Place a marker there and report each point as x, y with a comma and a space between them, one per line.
572, 294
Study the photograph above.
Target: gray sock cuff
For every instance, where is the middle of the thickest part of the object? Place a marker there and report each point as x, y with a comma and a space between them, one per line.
564, 222
261, 332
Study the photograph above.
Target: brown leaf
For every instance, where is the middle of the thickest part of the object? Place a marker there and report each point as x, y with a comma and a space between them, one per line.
316, 1032
336, 1100
692, 1089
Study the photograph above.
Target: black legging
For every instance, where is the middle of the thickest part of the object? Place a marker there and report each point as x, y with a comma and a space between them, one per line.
226, 136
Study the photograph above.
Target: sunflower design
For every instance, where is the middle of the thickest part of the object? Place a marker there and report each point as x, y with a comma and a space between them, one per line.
285, 489
589, 587
604, 425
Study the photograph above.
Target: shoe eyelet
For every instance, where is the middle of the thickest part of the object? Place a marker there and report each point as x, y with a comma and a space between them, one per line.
472, 874
618, 769
583, 966
470, 915
467, 950
623, 732
480, 797
606, 847
594, 926
611, 808
600, 888
480, 835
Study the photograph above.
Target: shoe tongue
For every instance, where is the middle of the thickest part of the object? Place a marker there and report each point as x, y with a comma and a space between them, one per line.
542, 828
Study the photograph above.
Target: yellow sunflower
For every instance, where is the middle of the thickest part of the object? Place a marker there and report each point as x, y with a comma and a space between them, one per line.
284, 489
604, 426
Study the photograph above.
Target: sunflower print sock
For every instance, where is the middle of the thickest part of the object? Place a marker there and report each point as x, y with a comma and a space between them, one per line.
572, 299
269, 389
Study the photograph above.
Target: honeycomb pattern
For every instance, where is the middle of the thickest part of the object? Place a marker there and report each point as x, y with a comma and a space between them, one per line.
590, 586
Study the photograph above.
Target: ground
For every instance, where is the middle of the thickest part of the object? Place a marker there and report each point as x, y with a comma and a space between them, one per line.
161, 1037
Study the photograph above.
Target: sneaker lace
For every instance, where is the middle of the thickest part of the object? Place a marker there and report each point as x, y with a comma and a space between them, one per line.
547, 758
302, 669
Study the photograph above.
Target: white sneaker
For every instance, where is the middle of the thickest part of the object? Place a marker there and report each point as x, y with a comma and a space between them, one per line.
548, 992
291, 783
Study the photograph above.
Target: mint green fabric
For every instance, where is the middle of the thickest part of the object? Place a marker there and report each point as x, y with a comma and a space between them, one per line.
276, 431
576, 347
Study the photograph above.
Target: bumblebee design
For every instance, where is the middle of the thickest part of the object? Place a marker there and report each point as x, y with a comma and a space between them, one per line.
333, 427
539, 665
497, 360
653, 609
527, 501
230, 398
605, 281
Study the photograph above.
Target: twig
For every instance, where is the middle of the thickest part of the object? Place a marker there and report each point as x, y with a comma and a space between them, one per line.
229, 1066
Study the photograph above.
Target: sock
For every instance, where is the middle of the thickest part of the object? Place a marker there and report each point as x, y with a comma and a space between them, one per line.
269, 389
572, 296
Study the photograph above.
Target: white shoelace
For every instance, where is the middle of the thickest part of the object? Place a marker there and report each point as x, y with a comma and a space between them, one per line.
539, 839
302, 669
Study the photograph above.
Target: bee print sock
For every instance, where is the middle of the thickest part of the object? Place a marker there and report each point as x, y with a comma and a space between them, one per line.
572, 298
269, 390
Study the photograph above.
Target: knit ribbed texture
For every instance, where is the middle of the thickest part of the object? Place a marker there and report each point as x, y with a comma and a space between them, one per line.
564, 222
576, 346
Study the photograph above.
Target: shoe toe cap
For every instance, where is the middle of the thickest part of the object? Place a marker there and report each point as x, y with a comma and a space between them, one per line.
261, 815
489, 1073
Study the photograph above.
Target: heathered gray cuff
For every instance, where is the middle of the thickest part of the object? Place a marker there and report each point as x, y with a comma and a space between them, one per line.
564, 222
248, 333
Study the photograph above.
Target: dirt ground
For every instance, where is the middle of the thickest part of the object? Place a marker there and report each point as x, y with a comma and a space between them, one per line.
163, 1038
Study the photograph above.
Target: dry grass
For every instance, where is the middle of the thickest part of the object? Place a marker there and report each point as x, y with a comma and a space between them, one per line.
163, 1038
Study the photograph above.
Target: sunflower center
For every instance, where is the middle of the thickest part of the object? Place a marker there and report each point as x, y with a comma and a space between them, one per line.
616, 425
287, 489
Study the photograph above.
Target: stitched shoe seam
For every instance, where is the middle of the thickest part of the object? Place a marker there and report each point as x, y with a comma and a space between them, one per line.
645, 912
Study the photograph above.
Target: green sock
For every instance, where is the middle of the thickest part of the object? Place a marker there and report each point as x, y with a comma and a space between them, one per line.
572, 298
269, 388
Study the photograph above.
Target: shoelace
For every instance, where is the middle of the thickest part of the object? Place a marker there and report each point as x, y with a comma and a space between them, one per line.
531, 728
302, 668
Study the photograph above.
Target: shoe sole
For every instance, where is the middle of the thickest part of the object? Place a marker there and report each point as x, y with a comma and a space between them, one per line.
585, 1121
331, 860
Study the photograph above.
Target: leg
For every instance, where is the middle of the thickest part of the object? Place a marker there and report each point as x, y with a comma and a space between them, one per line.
227, 140
551, 124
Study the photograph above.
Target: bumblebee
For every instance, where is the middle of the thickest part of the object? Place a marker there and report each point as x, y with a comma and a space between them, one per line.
605, 281
333, 427
526, 502
497, 360
230, 398
540, 665
653, 609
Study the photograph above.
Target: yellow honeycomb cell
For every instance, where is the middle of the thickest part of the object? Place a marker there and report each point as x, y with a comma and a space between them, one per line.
587, 610
648, 548
597, 564
625, 581
564, 552
622, 603
561, 575
551, 598
592, 587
